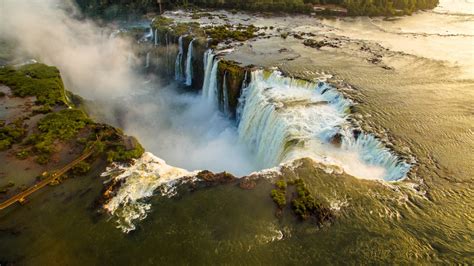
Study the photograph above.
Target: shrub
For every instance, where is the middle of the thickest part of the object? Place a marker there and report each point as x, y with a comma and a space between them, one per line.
42, 159
279, 197
81, 168
281, 184
23, 154
38, 80
120, 154
12, 133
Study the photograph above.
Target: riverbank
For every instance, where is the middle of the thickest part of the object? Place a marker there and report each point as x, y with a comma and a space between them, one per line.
417, 106
43, 128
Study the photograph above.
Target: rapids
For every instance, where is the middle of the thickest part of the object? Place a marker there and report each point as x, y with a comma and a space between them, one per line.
286, 119
417, 101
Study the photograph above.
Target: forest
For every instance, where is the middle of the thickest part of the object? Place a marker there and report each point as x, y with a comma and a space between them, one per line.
110, 9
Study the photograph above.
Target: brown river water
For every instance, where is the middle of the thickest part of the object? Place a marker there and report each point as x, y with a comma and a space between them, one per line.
418, 96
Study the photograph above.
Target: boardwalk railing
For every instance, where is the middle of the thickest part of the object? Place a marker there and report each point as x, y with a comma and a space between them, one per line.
20, 197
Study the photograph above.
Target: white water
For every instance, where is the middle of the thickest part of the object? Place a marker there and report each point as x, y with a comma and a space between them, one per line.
147, 60
178, 70
241, 101
148, 36
141, 179
189, 65
210, 92
225, 104
285, 119
208, 62
156, 37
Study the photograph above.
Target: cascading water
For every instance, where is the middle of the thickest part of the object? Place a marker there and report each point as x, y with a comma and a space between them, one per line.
210, 85
212, 88
178, 71
285, 119
156, 37
189, 65
149, 36
278, 120
208, 63
241, 101
225, 98
147, 60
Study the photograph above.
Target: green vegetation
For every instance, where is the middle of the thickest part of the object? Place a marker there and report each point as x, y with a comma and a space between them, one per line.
81, 168
384, 7
281, 184
108, 10
216, 33
39, 80
62, 125
235, 75
120, 153
12, 133
354, 7
23, 154
304, 205
162, 23
228, 32
279, 195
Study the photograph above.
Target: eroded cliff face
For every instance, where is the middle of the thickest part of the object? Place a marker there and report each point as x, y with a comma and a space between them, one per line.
168, 45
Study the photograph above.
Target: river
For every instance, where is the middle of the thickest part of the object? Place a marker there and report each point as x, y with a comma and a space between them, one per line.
417, 97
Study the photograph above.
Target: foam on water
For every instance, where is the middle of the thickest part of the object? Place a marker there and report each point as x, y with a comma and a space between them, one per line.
284, 119
141, 180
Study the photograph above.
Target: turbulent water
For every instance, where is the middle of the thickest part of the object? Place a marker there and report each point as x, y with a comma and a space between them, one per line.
189, 66
286, 119
410, 119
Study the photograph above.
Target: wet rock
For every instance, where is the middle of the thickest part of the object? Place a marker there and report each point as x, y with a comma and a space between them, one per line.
297, 36
283, 50
374, 60
218, 178
319, 44
336, 140
247, 183
356, 133
313, 43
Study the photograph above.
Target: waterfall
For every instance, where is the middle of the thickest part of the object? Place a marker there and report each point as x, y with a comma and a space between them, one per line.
241, 100
178, 69
208, 63
168, 69
147, 61
211, 90
156, 37
189, 65
149, 36
285, 119
225, 104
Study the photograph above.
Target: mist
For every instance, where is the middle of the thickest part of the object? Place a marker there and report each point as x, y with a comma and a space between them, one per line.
182, 128
91, 63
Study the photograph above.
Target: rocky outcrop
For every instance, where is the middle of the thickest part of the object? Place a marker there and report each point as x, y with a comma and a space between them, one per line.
233, 74
215, 178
